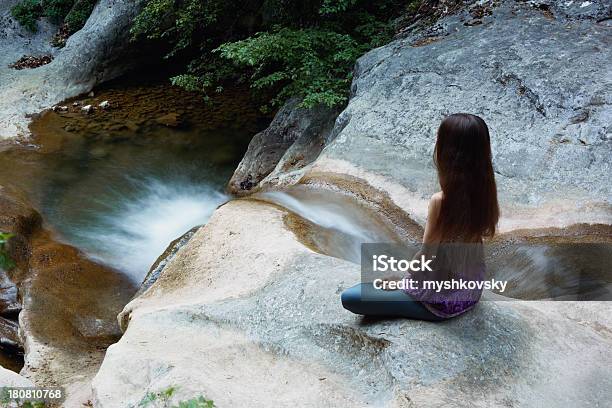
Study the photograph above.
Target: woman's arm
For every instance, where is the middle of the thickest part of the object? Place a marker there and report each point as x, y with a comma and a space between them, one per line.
433, 211
431, 237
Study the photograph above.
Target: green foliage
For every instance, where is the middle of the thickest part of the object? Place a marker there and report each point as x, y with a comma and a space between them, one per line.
27, 12
283, 47
78, 14
56, 10
154, 13
37, 404
73, 13
199, 402
336, 6
6, 262
312, 63
162, 399
186, 20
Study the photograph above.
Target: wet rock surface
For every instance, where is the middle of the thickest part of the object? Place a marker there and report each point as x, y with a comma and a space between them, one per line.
18, 218
233, 305
9, 304
66, 305
163, 260
11, 349
69, 309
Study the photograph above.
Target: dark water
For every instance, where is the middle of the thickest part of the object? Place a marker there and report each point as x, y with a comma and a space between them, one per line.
122, 184
554, 269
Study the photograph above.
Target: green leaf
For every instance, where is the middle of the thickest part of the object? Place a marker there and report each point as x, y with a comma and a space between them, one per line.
285, 47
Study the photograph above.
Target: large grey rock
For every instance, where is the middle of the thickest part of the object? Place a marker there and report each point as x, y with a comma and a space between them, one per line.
537, 72
98, 52
246, 315
293, 140
12, 379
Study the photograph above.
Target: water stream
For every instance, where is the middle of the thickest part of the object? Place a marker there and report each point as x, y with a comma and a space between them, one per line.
563, 264
122, 184
338, 224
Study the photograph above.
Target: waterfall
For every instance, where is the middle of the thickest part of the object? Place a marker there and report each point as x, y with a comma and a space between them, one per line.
132, 232
342, 223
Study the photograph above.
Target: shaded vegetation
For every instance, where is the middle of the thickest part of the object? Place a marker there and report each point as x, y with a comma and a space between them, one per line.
162, 399
283, 47
78, 14
27, 12
71, 14
6, 262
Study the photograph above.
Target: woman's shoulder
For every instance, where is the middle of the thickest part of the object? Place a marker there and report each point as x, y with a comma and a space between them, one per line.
435, 201
433, 210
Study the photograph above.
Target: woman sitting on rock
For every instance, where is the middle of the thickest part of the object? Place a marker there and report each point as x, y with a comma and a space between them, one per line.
459, 216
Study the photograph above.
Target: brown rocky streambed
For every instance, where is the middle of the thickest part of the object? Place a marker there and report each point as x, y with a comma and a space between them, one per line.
122, 171
66, 304
107, 181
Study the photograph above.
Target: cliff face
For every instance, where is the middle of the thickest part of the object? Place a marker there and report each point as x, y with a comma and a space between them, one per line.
293, 140
247, 315
98, 52
537, 75
537, 72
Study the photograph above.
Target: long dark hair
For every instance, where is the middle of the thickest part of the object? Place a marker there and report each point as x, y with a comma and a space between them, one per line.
462, 156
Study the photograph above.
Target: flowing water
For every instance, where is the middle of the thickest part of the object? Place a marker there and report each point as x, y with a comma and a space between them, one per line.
561, 264
125, 216
341, 224
122, 184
